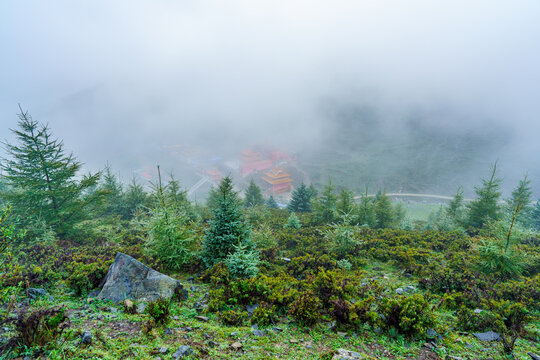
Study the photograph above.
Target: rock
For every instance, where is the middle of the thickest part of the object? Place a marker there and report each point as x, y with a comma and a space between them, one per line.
182, 351
129, 306
194, 288
236, 346
163, 350
487, 336
51, 298
478, 311
342, 334
399, 291
129, 278
191, 279
410, 289
448, 357
407, 275
533, 356
201, 318
212, 343
293, 341
285, 259
433, 336
141, 307
251, 308
258, 332
93, 294
254, 327
343, 354
234, 334
34, 293
168, 331
86, 337
429, 346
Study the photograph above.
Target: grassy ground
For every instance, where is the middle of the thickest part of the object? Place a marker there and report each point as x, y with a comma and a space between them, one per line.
118, 335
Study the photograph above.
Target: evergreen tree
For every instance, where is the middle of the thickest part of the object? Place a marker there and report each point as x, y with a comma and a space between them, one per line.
455, 207
521, 200
170, 236
227, 229
113, 193
271, 203
486, 206
535, 216
345, 202
135, 199
301, 199
42, 179
326, 205
293, 222
384, 213
366, 211
253, 195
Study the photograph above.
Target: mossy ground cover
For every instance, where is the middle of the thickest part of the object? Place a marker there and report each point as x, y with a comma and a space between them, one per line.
379, 299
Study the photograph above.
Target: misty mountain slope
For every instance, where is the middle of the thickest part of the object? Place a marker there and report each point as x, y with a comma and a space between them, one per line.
418, 154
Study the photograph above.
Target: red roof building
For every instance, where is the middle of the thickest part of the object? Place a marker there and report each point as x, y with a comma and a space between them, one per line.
278, 180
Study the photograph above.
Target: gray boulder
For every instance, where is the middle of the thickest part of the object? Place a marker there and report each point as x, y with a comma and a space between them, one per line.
343, 354
182, 351
130, 279
487, 336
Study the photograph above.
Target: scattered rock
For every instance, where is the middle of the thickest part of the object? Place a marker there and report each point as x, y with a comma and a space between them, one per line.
176, 317
343, 354
449, 357
293, 341
194, 288
407, 275
432, 335
258, 332
86, 337
93, 294
410, 289
201, 318
285, 259
234, 334
533, 356
254, 327
236, 346
487, 336
251, 308
168, 331
141, 307
163, 350
399, 291
51, 298
129, 278
342, 334
429, 346
129, 306
478, 311
182, 351
206, 336
191, 279
34, 293
212, 343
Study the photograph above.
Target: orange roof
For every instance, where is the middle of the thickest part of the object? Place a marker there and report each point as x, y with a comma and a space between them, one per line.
276, 173
277, 181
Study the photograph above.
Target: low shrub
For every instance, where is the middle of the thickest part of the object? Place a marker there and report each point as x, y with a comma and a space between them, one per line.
159, 310
264, 314
305, 309
233, 317
410, 315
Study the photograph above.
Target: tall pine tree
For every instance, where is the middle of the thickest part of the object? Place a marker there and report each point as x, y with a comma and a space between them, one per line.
228, 229
301, 199
253, 195
486, 206
42, 182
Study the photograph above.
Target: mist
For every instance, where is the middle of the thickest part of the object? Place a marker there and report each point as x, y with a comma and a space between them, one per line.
416, 95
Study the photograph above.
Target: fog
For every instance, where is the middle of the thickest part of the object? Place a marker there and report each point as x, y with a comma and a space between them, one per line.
414, 95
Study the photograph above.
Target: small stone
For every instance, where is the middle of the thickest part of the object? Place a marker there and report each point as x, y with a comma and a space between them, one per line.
113, 309
343, 354
478, 311
254, 327
285, 259
163, 350
212, 344
487, 336
533, 356
236, 346
51, 298
206, 336
201, 318
376, 268
141, 307
449, 357
258, 332
234, 334
251, 308
34, 293
168, 331
342, 334
399, 291
176, 317
86, 337
191, 279
410, 289
429, 346
293, 341
182, 351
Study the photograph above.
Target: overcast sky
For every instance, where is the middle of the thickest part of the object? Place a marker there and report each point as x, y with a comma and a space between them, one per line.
114, 78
